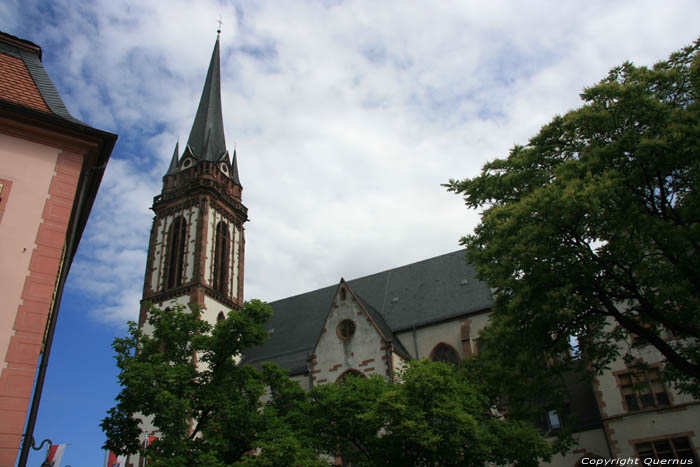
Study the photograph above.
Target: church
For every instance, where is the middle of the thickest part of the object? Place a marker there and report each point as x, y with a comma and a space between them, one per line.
374, 324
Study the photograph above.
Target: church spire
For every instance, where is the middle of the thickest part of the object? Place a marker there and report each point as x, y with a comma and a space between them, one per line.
207, 141
174, 161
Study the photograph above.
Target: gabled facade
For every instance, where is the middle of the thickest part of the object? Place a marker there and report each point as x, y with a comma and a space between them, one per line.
51, 165
367, 345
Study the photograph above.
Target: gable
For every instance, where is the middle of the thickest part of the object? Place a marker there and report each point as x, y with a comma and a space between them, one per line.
350, 340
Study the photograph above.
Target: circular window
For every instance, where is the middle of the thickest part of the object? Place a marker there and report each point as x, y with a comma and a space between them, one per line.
187, 163
346, 328
224, 168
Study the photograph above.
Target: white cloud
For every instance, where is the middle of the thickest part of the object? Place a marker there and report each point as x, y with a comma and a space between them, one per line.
347, 116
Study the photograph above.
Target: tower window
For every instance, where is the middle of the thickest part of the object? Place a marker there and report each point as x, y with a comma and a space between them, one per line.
220, 317
176, 252
221, 254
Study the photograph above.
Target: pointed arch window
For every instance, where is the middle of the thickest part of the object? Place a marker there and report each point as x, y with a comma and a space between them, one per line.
444, 353
350, 373
221, 257
176, 252
220, 317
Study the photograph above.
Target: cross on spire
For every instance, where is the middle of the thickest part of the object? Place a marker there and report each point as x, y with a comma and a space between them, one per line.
218, 31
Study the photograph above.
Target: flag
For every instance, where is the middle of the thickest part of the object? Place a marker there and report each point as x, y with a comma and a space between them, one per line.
55, 454
114, 461
150, 441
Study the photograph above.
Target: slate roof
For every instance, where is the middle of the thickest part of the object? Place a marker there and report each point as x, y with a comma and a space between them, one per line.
417, 294
384, 328
207, 140
172, 169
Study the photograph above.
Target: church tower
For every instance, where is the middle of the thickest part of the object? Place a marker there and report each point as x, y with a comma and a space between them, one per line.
196, 248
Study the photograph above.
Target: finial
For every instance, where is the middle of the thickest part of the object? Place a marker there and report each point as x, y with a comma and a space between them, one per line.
218, 31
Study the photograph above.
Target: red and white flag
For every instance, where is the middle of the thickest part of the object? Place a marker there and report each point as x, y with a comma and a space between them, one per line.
55, 454
115, 461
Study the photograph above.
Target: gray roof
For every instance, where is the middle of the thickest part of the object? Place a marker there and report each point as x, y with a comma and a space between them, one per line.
384, 328
174, 161
207, 140
418, 294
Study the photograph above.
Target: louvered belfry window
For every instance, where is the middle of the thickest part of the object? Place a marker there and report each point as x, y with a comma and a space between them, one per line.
176, 252
221, 255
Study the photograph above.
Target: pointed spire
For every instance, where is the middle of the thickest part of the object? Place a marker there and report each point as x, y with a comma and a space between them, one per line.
234, 169
207, 140
173, 163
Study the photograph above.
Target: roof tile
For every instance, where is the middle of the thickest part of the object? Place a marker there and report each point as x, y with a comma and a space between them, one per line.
17, 85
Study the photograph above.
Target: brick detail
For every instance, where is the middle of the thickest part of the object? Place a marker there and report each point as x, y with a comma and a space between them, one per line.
367, 370
17, 378
365, 362
335, 367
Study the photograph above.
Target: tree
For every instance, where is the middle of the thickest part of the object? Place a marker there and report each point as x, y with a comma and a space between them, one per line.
209, 410
593, 228
435, 415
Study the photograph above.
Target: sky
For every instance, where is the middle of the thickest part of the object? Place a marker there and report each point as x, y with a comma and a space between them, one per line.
347, 116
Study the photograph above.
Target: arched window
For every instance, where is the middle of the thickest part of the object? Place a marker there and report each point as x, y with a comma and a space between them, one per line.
221, 317
176, 252
221, 254
444, 353
351, 373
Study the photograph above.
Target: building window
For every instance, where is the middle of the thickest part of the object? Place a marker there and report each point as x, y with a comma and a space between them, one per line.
176, 252
553, 420
220, 317
345, 329
643, 389
444, 353
221, 254
669, 448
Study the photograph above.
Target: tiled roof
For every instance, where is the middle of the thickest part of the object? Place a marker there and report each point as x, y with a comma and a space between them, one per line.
25, 81
418, 294
17, 85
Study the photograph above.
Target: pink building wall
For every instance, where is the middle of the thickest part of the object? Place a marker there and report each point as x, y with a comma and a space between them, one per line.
33, 229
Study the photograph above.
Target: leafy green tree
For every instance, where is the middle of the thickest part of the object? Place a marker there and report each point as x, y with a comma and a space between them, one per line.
593, 228
433, 416
209, 411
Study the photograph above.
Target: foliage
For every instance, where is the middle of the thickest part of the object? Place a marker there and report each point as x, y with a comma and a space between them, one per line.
209, 411
212, 412
593, 228
434, 416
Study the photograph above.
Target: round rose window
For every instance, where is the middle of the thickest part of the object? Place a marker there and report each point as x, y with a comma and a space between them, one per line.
346, 328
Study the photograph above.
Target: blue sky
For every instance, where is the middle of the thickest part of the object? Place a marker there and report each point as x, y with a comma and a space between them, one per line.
346, 116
